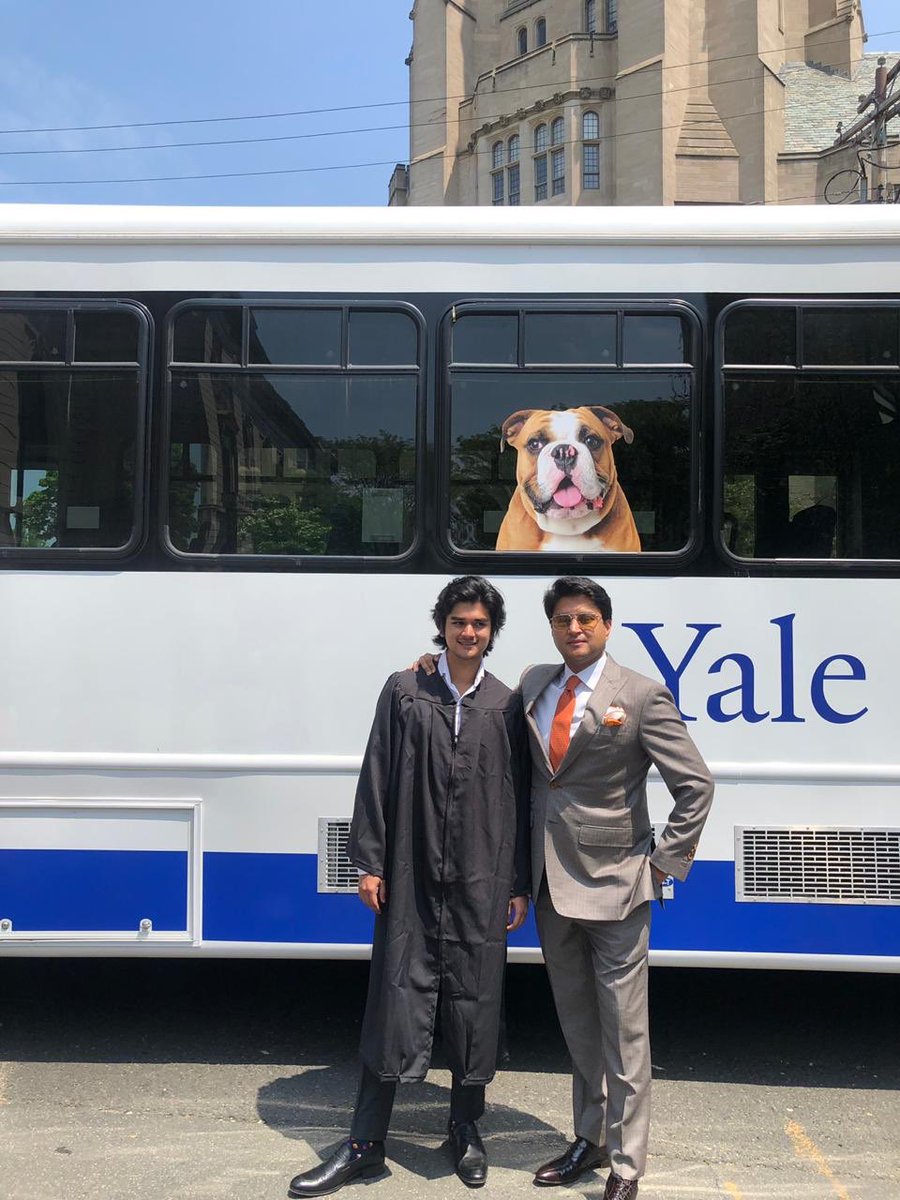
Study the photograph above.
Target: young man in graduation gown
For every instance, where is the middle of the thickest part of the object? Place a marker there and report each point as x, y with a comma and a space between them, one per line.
440, 834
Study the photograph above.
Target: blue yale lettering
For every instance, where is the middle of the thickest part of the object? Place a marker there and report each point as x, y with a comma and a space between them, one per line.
739, 701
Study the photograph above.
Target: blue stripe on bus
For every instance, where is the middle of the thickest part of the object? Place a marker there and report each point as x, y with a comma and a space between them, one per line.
86, 891
273, 898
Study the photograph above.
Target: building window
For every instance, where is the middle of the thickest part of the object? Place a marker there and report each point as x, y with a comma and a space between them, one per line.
513, 177
541, 141
590, 151
522, 40
612, 16
497, 163
590, 16
557, 157
558, 161
540, 32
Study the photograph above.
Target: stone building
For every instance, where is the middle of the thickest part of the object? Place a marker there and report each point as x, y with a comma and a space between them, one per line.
630, 101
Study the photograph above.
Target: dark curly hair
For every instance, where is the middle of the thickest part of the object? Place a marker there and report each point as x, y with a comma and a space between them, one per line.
577, 585
469, 589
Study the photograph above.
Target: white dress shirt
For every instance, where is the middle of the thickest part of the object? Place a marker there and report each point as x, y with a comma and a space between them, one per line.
444, 670
546, 703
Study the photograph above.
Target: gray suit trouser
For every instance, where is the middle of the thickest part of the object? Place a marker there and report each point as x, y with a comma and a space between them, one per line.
598, 973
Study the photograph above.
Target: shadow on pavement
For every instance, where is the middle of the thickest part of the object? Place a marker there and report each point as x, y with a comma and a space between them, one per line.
776, 1028
316, 1107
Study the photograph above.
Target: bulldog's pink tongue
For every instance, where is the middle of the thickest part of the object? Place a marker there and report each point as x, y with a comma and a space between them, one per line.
568, 496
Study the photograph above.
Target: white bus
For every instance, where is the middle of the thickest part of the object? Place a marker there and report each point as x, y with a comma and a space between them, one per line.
242, 450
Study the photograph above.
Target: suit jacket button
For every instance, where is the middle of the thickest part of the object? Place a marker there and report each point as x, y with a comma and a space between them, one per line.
553, 783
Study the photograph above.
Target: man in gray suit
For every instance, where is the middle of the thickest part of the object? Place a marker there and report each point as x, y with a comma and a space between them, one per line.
595, 728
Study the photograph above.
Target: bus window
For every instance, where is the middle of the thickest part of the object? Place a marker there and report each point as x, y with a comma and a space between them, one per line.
71, 398
296, 450
810, 454
558, 443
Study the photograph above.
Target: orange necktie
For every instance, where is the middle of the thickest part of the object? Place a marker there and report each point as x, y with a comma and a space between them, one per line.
562, 722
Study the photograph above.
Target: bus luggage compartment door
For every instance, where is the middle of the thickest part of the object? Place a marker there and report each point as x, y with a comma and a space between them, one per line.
85, 870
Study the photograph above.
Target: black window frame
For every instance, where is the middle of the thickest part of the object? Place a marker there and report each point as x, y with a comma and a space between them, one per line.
317, 562
549, 562
797, 369
47, 556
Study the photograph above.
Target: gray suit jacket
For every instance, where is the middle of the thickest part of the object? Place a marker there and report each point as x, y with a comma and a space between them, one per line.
591, 830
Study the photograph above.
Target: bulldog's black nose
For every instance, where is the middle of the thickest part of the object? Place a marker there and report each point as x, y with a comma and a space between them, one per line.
565, 456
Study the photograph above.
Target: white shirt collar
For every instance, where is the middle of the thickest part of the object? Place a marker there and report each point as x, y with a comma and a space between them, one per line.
589, 676
444, 670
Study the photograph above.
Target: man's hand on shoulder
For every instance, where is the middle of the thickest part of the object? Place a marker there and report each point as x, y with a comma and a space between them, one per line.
426, 662
373, 892
518, 911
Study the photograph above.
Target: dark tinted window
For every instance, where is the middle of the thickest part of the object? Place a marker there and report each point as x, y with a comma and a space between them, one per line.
603, 456
68, 450
110, 336
33, 335
764, 335
812, 466
208, 335
298, 462
382, 339
298, 336
485, 339
851, 336
652, 339
812, 457
570, 338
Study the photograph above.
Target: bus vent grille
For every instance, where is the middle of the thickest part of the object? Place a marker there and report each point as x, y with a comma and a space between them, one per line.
336, 872
812, 864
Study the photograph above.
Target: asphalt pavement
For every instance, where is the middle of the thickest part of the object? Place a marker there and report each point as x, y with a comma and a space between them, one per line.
154, 1080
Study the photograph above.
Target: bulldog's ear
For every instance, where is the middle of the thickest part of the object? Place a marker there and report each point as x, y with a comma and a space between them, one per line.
512, 426
613, 423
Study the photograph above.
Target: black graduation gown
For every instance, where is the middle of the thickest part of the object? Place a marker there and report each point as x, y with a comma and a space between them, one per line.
445, 823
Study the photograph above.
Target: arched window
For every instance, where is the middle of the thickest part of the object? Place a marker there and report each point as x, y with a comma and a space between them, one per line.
513, 177
497, 157
590, 152
541, 141
612, 16
557, 157
522, 40
540, 32
590, 16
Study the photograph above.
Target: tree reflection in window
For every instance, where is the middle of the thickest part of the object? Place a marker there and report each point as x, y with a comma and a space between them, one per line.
300, 462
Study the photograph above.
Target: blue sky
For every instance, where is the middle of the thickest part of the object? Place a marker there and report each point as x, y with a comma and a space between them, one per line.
66, 63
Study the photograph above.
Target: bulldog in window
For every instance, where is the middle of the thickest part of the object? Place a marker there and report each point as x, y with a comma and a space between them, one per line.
568, 495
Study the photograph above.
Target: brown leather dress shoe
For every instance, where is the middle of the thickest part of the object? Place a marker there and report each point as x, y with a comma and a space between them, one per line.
618, 1188
580, 1157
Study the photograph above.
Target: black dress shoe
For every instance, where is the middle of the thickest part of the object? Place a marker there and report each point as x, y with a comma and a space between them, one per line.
580, 1157
348, 1162
469, 1154
618, 1188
